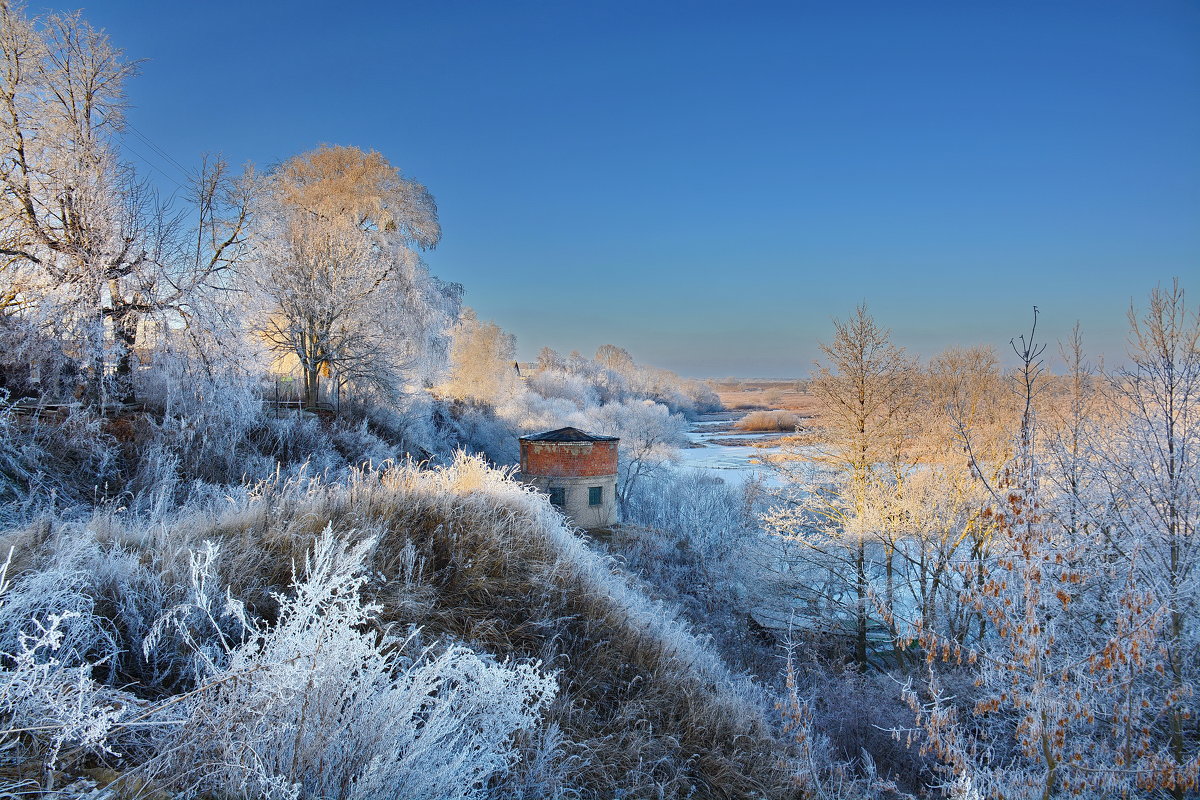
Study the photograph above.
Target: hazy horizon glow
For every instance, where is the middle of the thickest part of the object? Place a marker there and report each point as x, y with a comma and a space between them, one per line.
706, 185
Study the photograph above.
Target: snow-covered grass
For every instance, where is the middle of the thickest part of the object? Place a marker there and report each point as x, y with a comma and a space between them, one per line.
320, 705
355, 599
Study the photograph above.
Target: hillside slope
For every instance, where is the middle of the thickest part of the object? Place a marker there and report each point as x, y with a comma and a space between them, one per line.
455, 557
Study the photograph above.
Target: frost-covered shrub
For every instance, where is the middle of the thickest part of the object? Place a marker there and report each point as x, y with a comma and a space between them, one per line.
48, 697
53, 463
59, 588
204, 405
614, 377
552, 384
545, 771
482, 430
357, 444
295, 438
529, 411
106, 601
820, 768
317, 705
702, 397
418, 424
695, 541
713, 517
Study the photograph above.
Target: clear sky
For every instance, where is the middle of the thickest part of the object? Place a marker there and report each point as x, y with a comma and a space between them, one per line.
707, 184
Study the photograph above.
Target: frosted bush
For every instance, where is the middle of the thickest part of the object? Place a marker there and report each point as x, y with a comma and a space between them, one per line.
712, 516
482, 430
208, 403
358, 445
614, 378
702, 397
531, 411
15, 472
61, 588
200, 632
51, 464
552, 384
106, 601
319, 706
47, 703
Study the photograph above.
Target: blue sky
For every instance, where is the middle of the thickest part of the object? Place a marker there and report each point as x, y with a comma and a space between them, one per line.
707, 184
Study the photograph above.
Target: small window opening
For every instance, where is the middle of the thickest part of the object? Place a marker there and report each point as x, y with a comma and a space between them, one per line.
558, 496
595, 495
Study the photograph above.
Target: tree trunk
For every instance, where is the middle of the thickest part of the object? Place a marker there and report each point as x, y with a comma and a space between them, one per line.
125, 321
312, 386
860, 638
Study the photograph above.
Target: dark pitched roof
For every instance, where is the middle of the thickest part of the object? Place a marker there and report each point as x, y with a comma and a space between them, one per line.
567, 435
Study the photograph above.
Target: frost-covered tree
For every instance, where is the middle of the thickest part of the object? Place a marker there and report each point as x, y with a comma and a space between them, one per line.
338, 288
482, 358
1079, 614
73, 220
965, 399
1152, 471
95, 259
865, 392
547, 358
615, 358
650, 437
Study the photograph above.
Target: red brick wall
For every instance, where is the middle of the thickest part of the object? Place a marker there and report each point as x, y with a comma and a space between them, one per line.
568, 459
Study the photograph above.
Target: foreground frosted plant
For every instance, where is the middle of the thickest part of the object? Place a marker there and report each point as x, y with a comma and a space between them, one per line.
46, 705
320, 706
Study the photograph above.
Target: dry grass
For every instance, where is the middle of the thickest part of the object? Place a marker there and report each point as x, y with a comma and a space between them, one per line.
765, 396
768, 422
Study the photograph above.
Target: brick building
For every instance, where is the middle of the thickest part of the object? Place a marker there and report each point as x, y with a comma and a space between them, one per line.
578, 471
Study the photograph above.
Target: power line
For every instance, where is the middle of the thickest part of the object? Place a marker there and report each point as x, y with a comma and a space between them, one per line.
153, 166
158, 151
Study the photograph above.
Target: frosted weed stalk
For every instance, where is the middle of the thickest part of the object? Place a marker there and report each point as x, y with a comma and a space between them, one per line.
319, 706
46, 705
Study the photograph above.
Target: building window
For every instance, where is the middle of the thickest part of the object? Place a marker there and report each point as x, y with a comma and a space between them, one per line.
595, 495
558, 496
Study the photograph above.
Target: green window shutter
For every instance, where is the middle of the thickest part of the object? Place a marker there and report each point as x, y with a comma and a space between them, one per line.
595, 495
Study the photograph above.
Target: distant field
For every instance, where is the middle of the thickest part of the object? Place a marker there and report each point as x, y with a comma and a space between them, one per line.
765, 395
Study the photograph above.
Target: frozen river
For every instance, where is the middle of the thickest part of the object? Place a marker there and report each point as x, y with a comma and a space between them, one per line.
735, 461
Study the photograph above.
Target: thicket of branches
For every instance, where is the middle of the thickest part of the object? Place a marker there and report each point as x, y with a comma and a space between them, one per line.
1020, 548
